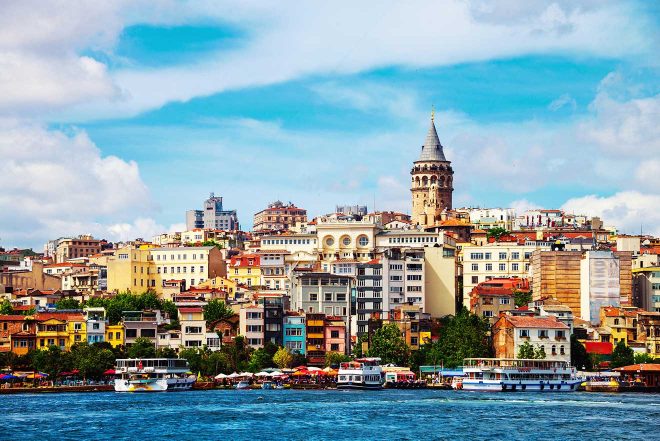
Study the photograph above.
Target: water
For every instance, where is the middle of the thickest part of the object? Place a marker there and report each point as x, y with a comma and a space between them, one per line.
333, 415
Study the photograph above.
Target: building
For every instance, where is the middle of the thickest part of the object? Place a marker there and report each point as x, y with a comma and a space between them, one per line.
34, 278
432, 181
193, 326
648, 332
441, 276
294, 337
278, 216
646, 288
621, 322
414, 324
491, 298
274, 307
140, 269
212, 216
494, 261
73, 248
329, 294
252, 325
556, 274
13, 325
142, 324
487, 218
245, 269
352, 210
315, 335
114, 334
335, 335
274, 270
510, 332
370, 300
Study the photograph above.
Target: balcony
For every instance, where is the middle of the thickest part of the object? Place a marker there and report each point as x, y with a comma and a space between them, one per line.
313, 335
315, 323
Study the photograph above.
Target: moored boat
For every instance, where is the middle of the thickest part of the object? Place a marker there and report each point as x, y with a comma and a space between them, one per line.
153, 375
361, 373
243, 385
515, 374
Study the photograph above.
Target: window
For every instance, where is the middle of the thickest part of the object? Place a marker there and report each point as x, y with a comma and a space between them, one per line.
475, 267
515, 255
193, 330
328, 296
334, 347
488, 256
502, 256
313, 297
561, 350
149, 333
543, 333
488, 314
505, 301
334, 334
363, 241
523, 333
131, 333
514, 267
554, 350
341, 297
475, 280
489, 267
502, 267
77, 326
414, 277
560, 334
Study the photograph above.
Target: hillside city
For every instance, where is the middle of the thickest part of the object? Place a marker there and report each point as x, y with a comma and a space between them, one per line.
323, 289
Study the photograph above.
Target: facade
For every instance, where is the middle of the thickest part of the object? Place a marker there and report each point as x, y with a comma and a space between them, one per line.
345, 239
252, 325
142, 324
212, 216
274, 307
510, 332
494, 261
432, 181
621, 322
294, 337
13, 325
335, 335
274, 270
141, 269
193, 326
556, 274
324, 293
369, 294
646, 288
352, 210
245, 269
487, 218
315, 335
491, 298
72, 248
114, 334
414, 324
600, 284
648, 332
278, 216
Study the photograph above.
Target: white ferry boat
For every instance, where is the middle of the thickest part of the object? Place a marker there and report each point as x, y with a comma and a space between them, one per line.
515, 374
361, 373
153, 375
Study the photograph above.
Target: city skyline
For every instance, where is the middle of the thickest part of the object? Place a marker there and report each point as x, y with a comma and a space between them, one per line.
116, 119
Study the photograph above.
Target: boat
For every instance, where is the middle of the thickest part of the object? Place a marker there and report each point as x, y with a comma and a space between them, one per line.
268, 385
153, 375
361, 373
243, 385
517, 374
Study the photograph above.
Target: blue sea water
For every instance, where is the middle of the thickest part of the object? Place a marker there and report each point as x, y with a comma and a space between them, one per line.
332, 415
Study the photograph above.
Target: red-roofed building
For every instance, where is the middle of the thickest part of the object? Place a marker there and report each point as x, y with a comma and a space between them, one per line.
488, 299
548, 333
193, 326
278, 216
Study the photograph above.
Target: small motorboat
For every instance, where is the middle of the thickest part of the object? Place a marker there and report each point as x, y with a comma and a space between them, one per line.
243, 385
268, 385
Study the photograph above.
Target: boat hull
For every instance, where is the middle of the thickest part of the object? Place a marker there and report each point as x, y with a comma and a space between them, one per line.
521, 386
359, 386
161, 385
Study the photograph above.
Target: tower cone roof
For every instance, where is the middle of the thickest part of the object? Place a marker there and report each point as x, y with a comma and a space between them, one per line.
432, 149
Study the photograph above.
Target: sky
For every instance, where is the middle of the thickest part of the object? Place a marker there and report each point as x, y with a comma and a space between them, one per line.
117, 117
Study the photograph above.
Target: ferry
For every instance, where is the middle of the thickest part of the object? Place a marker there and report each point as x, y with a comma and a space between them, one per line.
153, 375
517, 374
361, 373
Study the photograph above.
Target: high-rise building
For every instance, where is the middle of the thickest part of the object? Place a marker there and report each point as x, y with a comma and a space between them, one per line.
432, 179
212, 216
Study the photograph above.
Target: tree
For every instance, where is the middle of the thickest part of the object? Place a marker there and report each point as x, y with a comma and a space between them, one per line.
142, 348
51, 361
357, 349
496, 233
526, 350
622, 355
644, 358
282, 358
539, 352
464, 335
196, 358
165, 352
67, 303
215, 310
579, 356
332, 359
521, 298
91, 360
6, 308
388, 344
238, 353
259, 360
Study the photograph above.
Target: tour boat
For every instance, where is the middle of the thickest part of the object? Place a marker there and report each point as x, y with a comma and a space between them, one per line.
516, 374
362, 373
153, 375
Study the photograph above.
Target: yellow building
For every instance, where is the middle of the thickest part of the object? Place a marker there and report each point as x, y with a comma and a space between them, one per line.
142, 269
621, 321
76, 327
245, 269
52, 332
221, 283
114, 334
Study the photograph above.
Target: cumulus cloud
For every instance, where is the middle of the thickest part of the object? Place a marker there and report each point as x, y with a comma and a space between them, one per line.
627, 210
56, 183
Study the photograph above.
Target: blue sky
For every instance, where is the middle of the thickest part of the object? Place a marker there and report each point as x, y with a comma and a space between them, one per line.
115, 119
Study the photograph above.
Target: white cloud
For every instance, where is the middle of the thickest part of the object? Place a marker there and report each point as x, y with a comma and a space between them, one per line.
522, 205
564, 100
648, 175
55, 184
627, 210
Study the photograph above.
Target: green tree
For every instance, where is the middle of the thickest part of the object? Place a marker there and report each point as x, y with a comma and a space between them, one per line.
644, 358
539, 352
211, 243
259, 360
51, 361
526, 351
357, 349
217, 362
521, 298
238, 353
142, 348
622, 355
282, 358
67, 303
579, 356
388, 344
464, 335
91, 360
215, 310
166, 352
6, 308
496, 233
332, 359
196, 357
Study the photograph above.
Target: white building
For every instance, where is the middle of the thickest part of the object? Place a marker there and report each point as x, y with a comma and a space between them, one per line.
599, 283
487, 218
251, 325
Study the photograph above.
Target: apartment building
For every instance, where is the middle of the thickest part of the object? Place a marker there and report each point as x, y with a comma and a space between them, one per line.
251, 325
73, 248
278, 216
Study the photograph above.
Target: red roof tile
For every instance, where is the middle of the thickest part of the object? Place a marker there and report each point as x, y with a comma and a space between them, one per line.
536, 322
